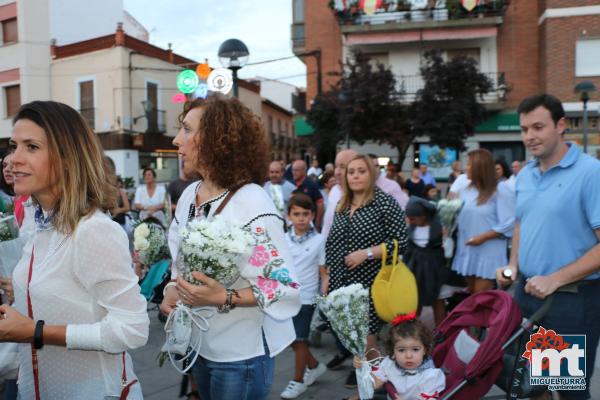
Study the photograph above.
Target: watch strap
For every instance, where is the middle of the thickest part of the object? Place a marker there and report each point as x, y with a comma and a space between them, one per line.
38, 335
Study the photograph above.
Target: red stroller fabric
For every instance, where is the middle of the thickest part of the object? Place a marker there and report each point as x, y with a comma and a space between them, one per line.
494, 310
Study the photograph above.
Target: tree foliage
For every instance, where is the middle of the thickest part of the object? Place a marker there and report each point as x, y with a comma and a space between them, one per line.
366, 105
449, 106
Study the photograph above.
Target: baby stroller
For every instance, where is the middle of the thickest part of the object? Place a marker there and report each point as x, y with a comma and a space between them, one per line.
472, 342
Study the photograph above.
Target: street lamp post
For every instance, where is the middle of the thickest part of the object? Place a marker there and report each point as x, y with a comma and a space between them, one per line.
233, 54
584, 89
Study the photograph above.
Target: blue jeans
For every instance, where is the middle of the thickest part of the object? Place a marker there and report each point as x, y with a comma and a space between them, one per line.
236, 380
570, 314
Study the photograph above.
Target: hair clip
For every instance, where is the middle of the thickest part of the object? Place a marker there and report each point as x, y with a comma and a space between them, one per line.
404, 318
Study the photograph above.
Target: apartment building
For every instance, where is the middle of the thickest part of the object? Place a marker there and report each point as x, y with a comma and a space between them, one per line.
524, 47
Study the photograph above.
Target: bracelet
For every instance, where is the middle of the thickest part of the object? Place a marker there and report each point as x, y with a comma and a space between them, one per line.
228, 305
168, 285
38, 335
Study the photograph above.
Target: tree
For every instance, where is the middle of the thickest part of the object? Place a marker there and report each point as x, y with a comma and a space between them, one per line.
323, 117
364, 105
449, 106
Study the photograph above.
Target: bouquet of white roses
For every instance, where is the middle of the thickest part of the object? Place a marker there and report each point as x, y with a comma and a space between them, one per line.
150, 241
9, 229
448, 212
347, 310
214, 246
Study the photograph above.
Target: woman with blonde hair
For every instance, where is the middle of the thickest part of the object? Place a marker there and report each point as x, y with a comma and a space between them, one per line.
365, 219
484, 223
77, 310
223, 141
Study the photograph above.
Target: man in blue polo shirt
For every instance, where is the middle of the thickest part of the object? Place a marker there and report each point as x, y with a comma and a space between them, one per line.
556, 240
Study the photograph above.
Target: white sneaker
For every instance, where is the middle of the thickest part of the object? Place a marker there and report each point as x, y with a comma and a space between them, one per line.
293, 390
311, 375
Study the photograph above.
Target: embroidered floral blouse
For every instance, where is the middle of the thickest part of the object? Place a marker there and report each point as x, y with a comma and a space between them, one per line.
269, 272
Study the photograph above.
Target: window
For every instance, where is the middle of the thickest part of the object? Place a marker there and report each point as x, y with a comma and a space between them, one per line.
12, 94
587, 58
152, 97
270, 124
86, 102
298, 11
473, 53
9, 31
379, 58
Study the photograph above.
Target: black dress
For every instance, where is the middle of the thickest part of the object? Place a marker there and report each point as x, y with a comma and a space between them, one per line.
381, 220
428, 263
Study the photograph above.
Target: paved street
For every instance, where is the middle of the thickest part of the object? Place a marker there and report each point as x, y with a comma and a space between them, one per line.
163, 383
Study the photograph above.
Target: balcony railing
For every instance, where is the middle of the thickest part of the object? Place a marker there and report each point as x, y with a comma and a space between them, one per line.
156, 121
411, 84
400, 11
298, 37
89, 114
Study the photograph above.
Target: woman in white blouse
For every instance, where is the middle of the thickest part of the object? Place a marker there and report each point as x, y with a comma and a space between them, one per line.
150, 198
223, 141
78, 307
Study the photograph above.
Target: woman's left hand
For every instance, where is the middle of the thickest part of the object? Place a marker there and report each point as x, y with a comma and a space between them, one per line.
14, 326
355, 258
210, 293
475, 241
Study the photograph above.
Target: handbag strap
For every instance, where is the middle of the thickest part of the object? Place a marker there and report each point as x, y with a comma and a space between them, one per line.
224, 202
34, 359
384, 254
126, 386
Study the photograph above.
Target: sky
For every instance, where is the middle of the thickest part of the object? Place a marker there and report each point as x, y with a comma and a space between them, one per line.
196, 28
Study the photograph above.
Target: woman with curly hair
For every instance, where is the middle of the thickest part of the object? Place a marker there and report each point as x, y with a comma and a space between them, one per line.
222, 141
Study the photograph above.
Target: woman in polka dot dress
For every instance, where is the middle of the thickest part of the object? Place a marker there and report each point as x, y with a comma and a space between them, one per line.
365, 218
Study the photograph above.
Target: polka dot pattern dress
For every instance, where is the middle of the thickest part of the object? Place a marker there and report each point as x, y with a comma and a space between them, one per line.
381, 220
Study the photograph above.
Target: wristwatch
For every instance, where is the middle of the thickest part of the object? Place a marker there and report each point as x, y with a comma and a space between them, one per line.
370, 254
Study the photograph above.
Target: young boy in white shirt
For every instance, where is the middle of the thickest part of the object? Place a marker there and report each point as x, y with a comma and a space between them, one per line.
307, 248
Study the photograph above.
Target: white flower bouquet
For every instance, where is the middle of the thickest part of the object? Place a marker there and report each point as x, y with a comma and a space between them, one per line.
347, 310
150, 242
448, 212
9, 229
214, 247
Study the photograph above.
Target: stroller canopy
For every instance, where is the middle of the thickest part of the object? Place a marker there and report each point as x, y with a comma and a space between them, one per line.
498, 314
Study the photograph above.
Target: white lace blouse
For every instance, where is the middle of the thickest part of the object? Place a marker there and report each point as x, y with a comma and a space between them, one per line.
84, 281
270, 273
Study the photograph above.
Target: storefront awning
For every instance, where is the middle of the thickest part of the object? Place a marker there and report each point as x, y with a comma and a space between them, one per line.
302, 128
505, 122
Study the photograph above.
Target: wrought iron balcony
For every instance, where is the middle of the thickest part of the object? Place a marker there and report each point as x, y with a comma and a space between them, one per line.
400, 12
411, 84
156, 121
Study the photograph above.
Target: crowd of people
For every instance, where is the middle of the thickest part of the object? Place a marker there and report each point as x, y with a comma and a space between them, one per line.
315, 231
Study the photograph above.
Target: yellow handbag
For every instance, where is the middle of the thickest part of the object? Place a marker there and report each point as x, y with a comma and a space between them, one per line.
394, 290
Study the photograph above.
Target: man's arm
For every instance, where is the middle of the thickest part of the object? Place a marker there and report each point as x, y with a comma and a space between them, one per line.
542, 286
